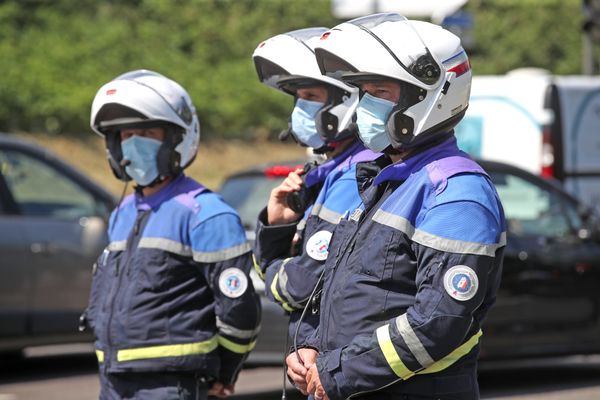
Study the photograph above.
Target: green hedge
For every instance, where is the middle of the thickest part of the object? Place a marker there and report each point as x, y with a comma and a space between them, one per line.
55, 54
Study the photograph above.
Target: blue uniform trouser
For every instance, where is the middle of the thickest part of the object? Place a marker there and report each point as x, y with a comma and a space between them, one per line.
152, 386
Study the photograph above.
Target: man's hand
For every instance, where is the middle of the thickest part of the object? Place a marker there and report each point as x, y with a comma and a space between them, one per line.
314, 386
221, 390
278, 211
297, 368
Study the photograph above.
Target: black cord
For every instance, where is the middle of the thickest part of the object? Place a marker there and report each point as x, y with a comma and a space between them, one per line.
287, 343
308, 302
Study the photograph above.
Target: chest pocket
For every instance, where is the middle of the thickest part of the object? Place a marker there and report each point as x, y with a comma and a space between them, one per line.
377, 253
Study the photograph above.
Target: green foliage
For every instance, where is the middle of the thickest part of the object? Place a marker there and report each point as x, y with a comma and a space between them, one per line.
57, 53
527, 33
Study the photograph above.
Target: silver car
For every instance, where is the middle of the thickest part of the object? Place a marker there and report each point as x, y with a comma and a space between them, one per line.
52, 228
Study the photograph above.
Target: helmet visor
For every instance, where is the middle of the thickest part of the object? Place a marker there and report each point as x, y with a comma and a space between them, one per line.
303, 35
164, 89
270, 72
407, 49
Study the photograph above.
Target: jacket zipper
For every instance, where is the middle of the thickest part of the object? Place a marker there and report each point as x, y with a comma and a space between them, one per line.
129, 246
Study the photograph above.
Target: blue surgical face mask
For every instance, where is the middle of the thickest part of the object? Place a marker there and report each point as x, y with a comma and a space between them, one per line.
371, 117
142, 153
303, 123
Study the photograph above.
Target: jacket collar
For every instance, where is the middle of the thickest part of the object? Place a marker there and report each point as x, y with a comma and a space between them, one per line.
401, 170
181, 184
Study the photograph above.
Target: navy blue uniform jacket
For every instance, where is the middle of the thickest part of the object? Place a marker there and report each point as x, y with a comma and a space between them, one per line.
171, 291
410, 277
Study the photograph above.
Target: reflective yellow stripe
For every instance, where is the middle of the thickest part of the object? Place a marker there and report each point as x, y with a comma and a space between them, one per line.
100, 355
169, 350
390, 353
236, 348
277, 296
453, 357
257, 268
396, 364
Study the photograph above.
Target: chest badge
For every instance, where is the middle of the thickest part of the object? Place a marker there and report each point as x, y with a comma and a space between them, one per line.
233, 282
461, 282
317, 247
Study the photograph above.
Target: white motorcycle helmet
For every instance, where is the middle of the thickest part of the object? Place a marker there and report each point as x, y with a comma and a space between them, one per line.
428, 61
143, 98
287, 62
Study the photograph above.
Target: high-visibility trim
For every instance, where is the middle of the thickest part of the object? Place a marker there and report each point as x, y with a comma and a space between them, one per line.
235, 347
236, 332
117, 246
458, 246
453, 357
390, 353
301, 225
393, 359
221, 255
257, 268
437, 242
283, 280
169, 350
277, 296
169, 245
326, 214
100, 356
412, 341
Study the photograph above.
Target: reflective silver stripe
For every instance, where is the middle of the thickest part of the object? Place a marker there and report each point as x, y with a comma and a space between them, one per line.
283, 280
222, 255
412, 341
166, 245
301, 225
117, 246
326, 214
458, 246
235, 332
437, 242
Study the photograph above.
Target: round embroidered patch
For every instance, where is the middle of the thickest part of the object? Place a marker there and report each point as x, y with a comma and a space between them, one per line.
233, 282
461, 282
317, 247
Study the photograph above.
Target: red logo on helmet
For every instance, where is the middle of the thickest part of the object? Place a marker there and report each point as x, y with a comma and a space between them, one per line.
111, 91
325, 35
461, 68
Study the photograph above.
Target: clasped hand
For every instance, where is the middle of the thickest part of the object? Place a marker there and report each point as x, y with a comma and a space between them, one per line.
302, 370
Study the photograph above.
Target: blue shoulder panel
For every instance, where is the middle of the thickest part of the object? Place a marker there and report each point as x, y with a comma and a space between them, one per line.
122, 220
217, 233
449, 210
468, 210
340, 191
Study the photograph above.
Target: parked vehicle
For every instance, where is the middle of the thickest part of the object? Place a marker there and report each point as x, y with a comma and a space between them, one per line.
546, 124
248, 191
571, 150
548, 302
52, 228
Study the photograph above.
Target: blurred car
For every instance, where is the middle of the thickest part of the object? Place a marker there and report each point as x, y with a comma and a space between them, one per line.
52, 228
548, 303
248, 191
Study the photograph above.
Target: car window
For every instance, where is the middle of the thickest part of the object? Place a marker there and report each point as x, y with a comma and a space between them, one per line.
532, 209
249, 194
38, 189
